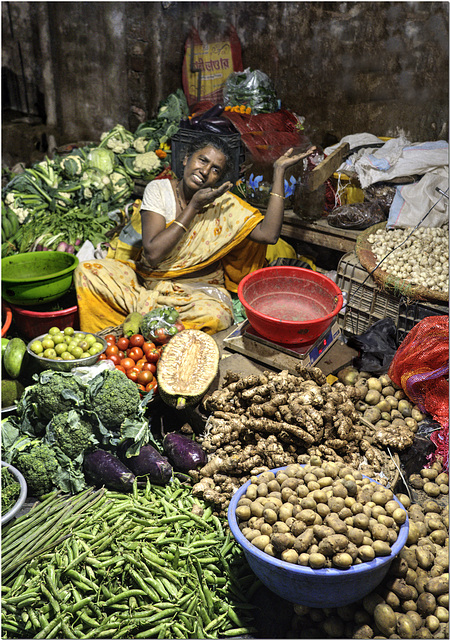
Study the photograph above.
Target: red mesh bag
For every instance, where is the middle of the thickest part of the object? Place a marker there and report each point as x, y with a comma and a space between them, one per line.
420, 367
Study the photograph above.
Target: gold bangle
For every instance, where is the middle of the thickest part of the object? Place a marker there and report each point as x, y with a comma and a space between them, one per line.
276, 194
180, 224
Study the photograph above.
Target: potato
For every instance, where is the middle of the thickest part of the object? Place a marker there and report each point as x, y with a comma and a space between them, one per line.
388, 391
372, 397
431, 489
290, 555
260, 542
385, 619
317, 560
342, 560
438, 586
243, 512
405, 408
426, 604
406, 627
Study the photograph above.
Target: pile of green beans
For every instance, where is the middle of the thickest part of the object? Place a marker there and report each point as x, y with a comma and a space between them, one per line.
138, 565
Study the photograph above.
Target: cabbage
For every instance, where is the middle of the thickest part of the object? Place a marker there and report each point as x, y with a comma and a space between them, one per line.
101, 158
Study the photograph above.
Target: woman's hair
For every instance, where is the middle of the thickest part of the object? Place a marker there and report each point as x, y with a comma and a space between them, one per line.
210, 140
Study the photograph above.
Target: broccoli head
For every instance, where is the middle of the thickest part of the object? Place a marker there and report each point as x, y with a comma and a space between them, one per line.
54, 393
39, 466
71, 432
114, 398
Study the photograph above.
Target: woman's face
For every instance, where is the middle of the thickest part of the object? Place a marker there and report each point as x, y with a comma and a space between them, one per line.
203, 168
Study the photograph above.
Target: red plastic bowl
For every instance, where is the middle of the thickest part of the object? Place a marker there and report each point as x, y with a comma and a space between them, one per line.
30, 324
289, 305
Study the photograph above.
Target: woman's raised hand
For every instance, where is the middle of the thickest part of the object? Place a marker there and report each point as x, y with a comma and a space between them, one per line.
203, 197
288, 160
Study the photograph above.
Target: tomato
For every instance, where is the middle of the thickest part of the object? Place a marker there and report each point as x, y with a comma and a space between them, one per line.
136, 353
179, 325
148, 346
152, 356
149, 366
123, 343
140, 363
102, 356
114, 358
121, 354
110, 338
161, 335
141, 388
152, 386
112, 350
127, 363
120, 368
137, 340
145, 377
132, 374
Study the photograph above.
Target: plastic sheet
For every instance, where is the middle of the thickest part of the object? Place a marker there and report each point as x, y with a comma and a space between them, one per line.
360, 215
377, 346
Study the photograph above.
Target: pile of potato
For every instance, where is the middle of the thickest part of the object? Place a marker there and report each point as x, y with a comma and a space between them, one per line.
321, 515
411, 601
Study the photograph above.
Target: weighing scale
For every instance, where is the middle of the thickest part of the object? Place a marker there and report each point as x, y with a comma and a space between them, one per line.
244, 339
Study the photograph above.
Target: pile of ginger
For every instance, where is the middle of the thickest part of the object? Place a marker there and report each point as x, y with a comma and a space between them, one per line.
269, 420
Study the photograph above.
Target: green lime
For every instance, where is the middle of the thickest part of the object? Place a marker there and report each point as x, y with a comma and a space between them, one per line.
67, 356
60, 348
69, 331
85, 354
77, 352
90, 339
54, 330
49, 353
58, 338
48, 343
36, 347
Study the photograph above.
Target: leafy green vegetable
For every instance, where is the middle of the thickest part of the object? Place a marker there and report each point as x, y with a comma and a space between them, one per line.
73, 433
10, 489
54, 392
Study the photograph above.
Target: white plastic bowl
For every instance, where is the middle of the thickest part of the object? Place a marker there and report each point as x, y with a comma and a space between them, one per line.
22, 496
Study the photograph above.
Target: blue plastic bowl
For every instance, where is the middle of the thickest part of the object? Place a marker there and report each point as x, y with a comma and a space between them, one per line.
314, 587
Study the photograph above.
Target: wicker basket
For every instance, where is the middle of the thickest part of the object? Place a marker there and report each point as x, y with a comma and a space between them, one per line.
115, 331
388, 282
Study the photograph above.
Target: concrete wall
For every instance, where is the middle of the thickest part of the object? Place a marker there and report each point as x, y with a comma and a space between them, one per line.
347, 67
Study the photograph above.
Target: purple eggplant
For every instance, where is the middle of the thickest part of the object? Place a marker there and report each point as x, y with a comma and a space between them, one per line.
149, 462
213, 112
103, 468
183, 453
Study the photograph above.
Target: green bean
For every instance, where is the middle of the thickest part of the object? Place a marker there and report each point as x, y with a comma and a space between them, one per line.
124, 595
53, 602
238, 632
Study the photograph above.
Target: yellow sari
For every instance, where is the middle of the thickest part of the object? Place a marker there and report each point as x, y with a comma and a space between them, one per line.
217, 240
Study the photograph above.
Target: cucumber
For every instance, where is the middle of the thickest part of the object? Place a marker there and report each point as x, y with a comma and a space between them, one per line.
132, 324
14, 357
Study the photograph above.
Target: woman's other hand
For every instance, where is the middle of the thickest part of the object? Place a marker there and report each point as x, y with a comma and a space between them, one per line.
203, 197
288, 160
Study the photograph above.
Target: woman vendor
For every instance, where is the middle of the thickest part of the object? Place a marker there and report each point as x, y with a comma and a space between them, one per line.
193, 242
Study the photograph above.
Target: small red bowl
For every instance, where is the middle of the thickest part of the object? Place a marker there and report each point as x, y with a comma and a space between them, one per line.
289, 305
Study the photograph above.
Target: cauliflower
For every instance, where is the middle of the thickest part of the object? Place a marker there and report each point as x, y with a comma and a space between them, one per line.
118, 139
72, 433
71, 166
121, 183
146, 162
114, 399
21, 212
140, 144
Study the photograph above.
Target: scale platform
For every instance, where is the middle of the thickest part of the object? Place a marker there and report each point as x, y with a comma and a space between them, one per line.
244, 339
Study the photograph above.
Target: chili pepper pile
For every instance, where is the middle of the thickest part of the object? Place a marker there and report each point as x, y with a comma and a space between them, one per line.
155, 563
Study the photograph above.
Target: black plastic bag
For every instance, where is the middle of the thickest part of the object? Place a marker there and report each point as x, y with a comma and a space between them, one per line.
377, 347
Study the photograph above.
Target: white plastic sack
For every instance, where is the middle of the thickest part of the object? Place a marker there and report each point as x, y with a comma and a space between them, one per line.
395, 159
412, 201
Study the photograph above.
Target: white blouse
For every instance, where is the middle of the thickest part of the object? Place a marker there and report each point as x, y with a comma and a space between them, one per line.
160, 198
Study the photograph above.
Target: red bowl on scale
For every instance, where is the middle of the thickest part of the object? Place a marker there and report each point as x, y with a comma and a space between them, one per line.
289, 305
